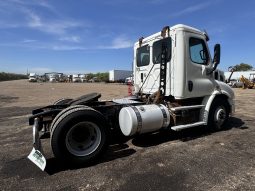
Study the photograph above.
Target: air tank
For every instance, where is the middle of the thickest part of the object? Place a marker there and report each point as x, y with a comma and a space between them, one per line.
143, 119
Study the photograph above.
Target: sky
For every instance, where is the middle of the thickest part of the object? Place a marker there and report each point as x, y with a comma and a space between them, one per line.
84, 36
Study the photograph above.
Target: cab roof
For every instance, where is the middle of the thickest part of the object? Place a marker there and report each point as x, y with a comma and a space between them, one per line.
173, 28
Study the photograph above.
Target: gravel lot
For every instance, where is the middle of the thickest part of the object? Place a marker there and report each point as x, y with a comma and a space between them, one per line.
193, 159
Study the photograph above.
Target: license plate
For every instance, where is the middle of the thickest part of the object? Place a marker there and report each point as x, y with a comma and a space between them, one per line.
37, 158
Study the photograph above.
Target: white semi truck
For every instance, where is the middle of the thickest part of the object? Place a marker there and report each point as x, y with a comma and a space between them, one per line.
33, 77
176, 87
76, 78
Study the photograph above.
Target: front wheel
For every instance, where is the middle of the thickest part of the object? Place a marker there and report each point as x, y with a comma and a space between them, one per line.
219, 114
79, 136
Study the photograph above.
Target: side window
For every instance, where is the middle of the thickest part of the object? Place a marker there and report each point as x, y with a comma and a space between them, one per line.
143, 56
198, 51
157, 50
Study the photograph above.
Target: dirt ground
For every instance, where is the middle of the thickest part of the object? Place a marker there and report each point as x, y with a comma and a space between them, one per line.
192, 159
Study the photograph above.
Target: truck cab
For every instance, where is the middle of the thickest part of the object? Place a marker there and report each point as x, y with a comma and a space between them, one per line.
189, 75
188, 63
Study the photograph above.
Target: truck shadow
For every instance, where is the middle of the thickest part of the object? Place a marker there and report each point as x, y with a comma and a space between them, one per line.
119, 149
115, 151
184, 135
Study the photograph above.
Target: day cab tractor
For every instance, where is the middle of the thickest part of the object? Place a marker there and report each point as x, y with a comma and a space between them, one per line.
175, 88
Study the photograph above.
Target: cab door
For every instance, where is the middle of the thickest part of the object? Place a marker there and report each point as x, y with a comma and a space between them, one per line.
198, 61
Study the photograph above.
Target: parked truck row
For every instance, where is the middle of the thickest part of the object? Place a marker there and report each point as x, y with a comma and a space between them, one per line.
59, 77
121, 76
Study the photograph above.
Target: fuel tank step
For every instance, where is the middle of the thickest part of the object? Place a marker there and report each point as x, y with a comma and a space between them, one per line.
181, 127
186, 107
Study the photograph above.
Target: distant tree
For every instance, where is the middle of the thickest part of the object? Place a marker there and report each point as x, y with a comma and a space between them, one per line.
102, 76
10, 76
243, 67
90, 76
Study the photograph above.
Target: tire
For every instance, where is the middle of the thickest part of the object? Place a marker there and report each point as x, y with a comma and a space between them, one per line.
79, 136
62, 112
218, 114
62, 101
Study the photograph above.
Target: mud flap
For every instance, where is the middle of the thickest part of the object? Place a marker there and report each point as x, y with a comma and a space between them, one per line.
36, 155
37, 158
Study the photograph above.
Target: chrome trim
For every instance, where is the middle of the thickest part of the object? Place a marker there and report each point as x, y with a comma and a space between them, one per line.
36, 138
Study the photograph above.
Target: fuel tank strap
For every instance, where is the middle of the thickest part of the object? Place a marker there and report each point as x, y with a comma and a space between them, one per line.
164, 115
139, 119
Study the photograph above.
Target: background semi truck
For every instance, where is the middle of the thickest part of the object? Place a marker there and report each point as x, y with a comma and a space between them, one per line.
176, 86
33, 77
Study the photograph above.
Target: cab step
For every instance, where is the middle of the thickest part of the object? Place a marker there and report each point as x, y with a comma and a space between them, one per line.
186, 107
181, 127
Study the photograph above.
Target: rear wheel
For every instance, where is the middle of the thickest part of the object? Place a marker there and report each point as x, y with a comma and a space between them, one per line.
83, 138
219, 114
61, 114
79, 136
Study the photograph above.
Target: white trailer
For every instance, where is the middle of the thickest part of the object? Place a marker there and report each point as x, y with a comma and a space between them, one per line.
119, 75
175, 89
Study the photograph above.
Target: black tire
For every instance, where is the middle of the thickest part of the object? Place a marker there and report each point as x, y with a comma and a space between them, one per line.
218, 114
62, 113
66, 140
62, 101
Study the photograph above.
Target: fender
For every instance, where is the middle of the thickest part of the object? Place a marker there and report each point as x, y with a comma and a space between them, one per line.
222, 89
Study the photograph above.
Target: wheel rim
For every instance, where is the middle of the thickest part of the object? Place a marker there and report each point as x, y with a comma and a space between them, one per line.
220, 116
83, 138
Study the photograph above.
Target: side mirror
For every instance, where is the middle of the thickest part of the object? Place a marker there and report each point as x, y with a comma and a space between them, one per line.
216, 58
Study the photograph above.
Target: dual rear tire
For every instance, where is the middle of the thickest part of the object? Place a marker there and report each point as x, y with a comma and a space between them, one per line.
79, 135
